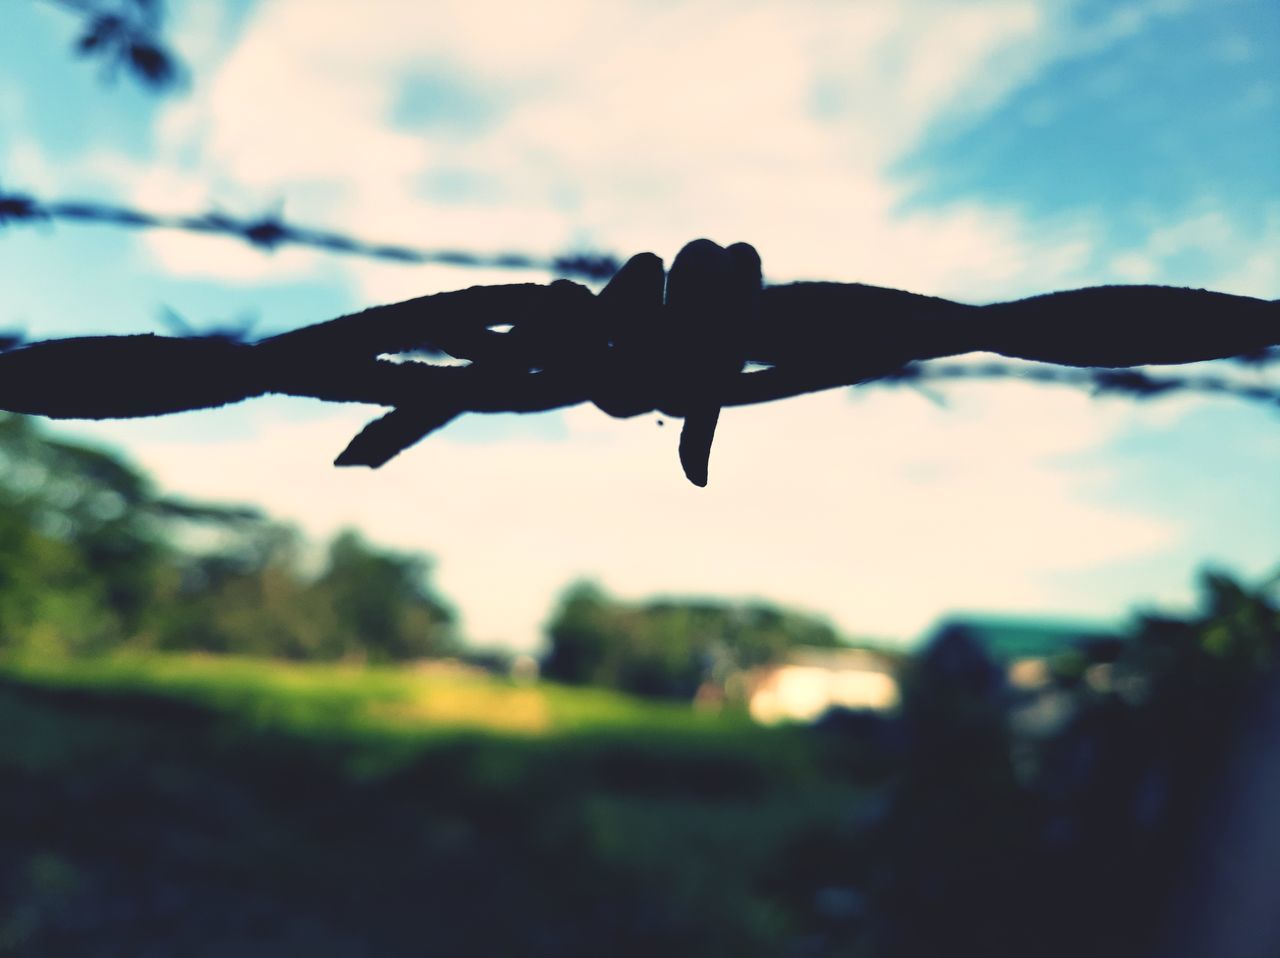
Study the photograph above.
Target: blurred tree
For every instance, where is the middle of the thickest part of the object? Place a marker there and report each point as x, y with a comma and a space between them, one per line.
585, 637
81, 544
93, 558
1075, 852
381, 604
668, 647
245, 597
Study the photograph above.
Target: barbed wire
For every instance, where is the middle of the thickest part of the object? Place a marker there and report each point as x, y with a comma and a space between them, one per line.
126, 35
685, 344
1128, 383
270, 231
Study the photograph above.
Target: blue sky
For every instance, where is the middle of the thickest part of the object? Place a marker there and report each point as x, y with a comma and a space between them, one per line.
983, 150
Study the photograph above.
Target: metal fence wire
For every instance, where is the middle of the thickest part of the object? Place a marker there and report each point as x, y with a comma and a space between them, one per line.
708, 333
270, 231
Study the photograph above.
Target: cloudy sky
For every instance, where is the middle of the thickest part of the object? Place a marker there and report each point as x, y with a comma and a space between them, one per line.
980, 150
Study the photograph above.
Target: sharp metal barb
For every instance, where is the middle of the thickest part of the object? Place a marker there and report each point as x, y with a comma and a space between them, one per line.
629, 351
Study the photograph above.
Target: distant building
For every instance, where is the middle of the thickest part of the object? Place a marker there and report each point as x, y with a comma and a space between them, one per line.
1023, 658
1025, 647
812, 681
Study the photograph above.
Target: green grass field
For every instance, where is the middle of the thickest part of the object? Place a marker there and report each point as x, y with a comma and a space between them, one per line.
208, 806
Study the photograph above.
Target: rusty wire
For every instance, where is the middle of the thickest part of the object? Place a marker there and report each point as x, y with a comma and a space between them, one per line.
706, 335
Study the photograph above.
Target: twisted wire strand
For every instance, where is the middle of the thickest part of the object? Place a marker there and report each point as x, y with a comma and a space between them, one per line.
1131, 383
679, 344
270, 231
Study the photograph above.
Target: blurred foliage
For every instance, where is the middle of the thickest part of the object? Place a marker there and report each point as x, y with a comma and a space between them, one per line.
153, 797
213, 805
1062, 838
669, 647
200, 805
332, 698
93, 558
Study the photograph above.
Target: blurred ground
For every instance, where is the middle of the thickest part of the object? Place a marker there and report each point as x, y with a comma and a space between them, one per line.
201, 806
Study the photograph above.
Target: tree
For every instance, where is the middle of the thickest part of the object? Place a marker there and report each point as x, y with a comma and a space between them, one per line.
380, 604
81, 543
94, 558
669, 647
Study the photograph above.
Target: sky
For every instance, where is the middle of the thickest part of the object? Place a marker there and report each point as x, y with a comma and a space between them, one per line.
982, 151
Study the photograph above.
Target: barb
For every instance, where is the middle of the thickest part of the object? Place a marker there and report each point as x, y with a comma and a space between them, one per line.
530, 348
125, 34
269, 232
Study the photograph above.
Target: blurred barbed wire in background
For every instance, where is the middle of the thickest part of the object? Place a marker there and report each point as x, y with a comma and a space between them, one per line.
1129, 383
126, 35
270, 231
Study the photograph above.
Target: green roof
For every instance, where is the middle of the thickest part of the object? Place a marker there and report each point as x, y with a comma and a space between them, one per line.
1008, 638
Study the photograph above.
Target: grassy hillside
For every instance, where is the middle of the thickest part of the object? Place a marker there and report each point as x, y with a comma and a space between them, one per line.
210, 806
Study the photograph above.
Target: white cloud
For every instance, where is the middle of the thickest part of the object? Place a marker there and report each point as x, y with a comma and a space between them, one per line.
631, 125
27, 167
1257, 272
1211, 250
